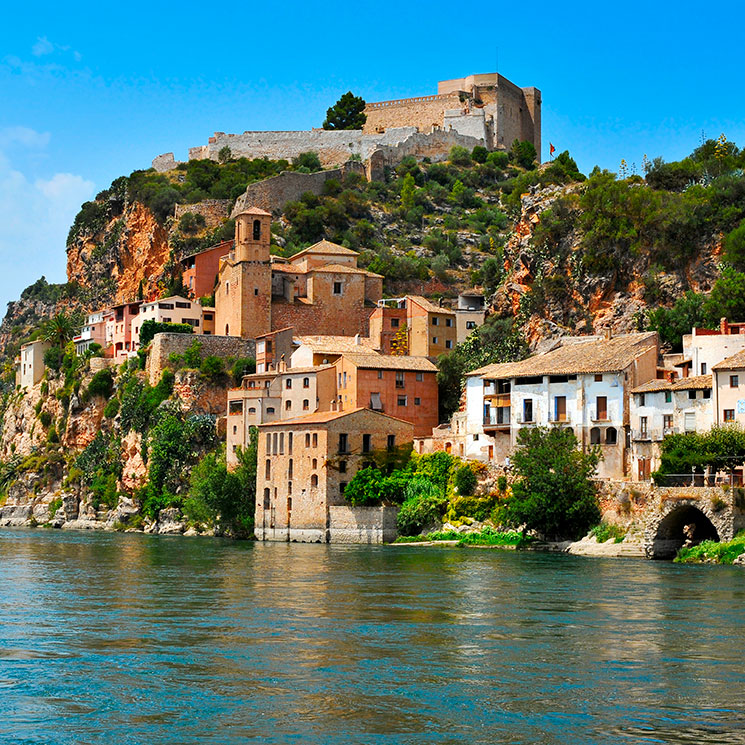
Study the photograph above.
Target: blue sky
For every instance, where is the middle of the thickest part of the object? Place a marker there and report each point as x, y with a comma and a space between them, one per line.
89, 92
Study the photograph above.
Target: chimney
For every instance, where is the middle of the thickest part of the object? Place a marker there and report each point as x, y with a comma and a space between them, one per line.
723, 326
357, 339
282, 364
608, 334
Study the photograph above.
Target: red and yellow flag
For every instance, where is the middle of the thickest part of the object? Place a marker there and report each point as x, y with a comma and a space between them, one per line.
551, 148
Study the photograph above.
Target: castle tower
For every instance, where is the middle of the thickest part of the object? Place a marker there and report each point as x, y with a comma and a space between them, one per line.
243, 299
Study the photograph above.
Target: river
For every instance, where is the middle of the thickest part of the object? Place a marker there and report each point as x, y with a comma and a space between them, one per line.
113, 638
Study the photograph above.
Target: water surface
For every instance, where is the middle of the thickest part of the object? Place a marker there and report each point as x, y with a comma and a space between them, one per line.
110, 638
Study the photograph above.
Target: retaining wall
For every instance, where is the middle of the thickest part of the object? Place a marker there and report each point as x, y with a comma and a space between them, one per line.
362, 524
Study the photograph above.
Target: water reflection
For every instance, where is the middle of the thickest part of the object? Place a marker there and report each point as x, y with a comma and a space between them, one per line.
130, 638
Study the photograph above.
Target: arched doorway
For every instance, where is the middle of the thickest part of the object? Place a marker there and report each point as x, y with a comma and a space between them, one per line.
682, 523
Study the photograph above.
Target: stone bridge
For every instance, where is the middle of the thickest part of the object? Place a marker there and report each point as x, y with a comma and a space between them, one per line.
715, 512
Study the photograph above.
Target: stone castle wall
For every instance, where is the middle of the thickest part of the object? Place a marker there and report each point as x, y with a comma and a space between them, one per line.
362, 524
165, 343
423, 112
273, 193
214, 211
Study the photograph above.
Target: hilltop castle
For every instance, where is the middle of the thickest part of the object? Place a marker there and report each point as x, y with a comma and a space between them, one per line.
484, 109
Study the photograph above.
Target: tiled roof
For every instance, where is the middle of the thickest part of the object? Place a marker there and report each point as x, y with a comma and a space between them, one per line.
287, 268
341, 269
323, 417
735, 362
592, 356
337, 344
390, 362
325, 247
653, 385
695, 382
254, 211
430, 307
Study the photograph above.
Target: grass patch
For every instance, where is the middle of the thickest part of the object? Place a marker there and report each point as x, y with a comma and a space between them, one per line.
713, 552
54, 505
605, 531
486, 537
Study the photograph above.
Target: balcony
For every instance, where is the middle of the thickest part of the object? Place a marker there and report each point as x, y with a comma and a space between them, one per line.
498, 400
495, 422
520, 419
560, 418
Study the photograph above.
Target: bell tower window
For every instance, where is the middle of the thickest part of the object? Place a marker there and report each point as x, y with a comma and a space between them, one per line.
257, 230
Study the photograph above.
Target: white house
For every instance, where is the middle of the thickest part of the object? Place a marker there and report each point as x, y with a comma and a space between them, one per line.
583, 384
662, 407
174, 309
93, 331
30, 363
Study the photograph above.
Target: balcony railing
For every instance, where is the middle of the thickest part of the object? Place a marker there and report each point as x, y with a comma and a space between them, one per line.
495, 421
560, 418
521, 419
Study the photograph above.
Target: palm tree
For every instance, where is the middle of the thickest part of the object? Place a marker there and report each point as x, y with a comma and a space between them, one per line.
61, 328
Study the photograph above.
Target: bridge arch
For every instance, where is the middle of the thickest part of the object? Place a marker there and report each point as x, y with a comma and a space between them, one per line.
666, 535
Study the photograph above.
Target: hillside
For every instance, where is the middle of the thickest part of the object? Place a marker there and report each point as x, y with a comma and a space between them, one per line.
552, 250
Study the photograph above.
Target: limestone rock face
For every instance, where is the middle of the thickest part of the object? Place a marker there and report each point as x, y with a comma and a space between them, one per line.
169, 522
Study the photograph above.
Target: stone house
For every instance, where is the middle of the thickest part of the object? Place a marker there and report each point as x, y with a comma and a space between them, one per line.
274, 349
704, 348
404, 387
323, 350
274, 396
30, 363
584, 384
200, 269
319, 290
662, 407
469, 314
415, 326
304, 465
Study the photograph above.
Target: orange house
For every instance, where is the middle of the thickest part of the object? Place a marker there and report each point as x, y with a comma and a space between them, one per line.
403, 387
200, 269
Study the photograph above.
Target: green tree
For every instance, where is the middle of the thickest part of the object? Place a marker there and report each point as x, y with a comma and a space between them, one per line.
734, 247
673, 323
347, 113
524, 153
61, 328
308, 161
225, 155
553, 493
408, 192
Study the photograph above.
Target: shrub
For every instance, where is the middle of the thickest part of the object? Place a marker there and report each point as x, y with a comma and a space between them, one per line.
459, 156
45, 418
309, 160
423, 506
242, 366
150, 328
498, 159
52, 436
605, 531
465, 481
102, 384
502, 483
479, 154
192, 357
111, 409
212, 367
53, 358
54, 505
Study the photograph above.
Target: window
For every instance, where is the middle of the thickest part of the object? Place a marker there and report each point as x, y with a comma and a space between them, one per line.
470, 325
288, 383
366, 443
703, 368
448, 344
268, 443
707, 392
434, 340
400, 379
528, 410
306, 404
448, 321
391, 443
270, 410
601, 408
235, 430
692, 395
183, 305
342, 466
306, 382
402, 400
394, 323
599, 378
337, 288
281, 443
289, 469
314, 480
668, 397
690, 421
375, 403
734, 381
643, 426
419, 377
268, 469
560, 408
435, 320
256, 290
729, 415
315, 439
667, 423
314, 463
611, 436
343, 442
342, 487
307, 439
289, 444
595, 436
417, 401
268, 346
257, 230
288, 405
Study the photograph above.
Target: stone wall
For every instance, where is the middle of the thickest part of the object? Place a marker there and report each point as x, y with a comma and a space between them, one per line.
362, 524
423, 112
165, 162
164, 344
273, 193
214, 211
